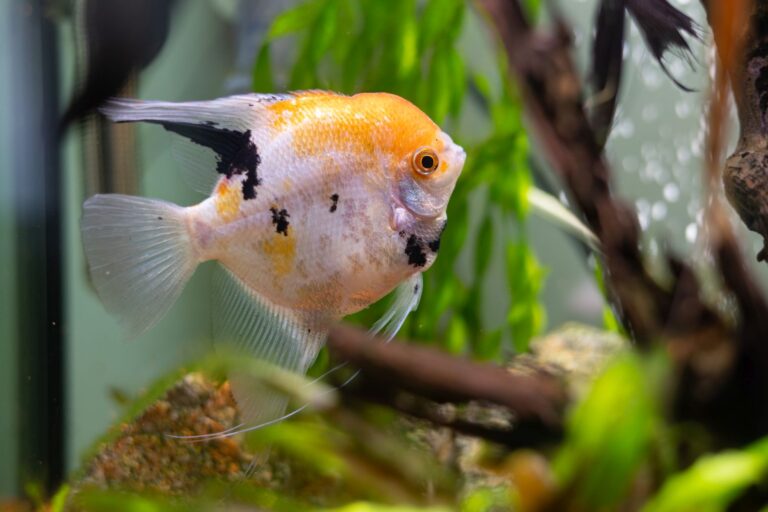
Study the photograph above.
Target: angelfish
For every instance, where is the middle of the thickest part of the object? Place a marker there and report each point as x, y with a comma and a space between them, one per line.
321, 205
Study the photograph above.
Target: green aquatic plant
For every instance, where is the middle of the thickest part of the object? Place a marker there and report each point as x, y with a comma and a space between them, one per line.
713, 482
604, 450
337, 45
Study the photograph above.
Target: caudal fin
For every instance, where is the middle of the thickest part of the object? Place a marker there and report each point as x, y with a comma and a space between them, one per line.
139, 255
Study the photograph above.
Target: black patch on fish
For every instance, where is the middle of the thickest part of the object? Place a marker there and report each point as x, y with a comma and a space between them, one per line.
434, 245
280, 220
249, 185
415, 251
335, 202
236, 153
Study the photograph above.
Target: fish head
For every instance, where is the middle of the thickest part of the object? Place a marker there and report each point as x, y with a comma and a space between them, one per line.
427, 172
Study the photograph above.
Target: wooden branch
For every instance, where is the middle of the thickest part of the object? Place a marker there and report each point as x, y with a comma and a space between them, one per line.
721, 371
553, 98
741, 35
413, 379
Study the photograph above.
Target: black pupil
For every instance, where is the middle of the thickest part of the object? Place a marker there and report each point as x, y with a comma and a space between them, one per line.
427, 161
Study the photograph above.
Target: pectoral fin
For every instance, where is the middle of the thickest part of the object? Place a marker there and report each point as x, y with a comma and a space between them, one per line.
406, 299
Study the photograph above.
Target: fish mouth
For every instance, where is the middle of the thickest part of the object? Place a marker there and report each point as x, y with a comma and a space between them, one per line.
456, 153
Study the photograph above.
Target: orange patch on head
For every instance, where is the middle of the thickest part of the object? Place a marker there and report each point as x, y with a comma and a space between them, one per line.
281, 251
368, 124
228, 199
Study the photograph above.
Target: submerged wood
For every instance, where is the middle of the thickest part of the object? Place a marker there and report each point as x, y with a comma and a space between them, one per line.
722, 365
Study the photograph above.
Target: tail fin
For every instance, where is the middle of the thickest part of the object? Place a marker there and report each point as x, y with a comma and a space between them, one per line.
139, 255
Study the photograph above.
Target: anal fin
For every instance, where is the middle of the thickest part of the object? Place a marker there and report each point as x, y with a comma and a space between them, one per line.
249, 324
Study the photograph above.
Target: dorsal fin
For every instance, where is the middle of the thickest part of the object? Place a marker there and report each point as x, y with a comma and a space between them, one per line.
225, 126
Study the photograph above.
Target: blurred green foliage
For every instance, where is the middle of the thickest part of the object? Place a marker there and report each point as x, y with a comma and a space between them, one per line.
713, 481
345, 459
414, 49
489, 498
609, 433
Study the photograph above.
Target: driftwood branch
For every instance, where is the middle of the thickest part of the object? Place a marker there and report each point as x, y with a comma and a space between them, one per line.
415, 380
741, 34
721, 367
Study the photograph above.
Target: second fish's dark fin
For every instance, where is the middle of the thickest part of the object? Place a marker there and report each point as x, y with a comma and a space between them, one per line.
249, 324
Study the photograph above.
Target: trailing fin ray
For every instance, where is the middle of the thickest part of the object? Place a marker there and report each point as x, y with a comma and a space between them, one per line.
250, 324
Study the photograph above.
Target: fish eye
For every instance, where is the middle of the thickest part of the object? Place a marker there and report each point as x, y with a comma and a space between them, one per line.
425, 161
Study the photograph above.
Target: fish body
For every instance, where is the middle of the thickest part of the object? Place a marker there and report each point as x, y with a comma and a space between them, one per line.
322, 205
325, 230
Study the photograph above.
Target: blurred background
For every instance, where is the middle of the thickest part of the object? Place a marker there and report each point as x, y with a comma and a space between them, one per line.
79, 358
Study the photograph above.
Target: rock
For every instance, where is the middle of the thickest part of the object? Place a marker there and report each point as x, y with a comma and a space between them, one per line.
143, 458
574, 352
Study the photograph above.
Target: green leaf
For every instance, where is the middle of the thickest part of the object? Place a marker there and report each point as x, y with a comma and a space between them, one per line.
533, 8
323, 31
375, 507
488, 499
407, 47
439, 98
610, 321
525, 278
488, 346
59, 500
713, 481
458, 81
115, 501
436, 20
456, 340
312, 443
262, 70
551, 209
609, 431
484, 246
293, 20
483, 86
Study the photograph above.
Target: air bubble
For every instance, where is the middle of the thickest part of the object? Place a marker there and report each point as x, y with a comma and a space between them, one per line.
671, 192
683, 155
683, 109
652, 79
650, 113
690, 232
624, 129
